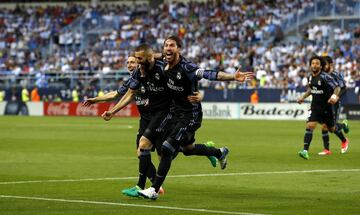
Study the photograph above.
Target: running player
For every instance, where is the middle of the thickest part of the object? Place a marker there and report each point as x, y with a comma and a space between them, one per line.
325, 92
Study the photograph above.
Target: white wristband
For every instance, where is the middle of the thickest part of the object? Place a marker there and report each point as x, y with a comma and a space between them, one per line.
333, 96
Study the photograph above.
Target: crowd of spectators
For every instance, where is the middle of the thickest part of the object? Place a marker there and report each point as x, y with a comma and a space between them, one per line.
216, 34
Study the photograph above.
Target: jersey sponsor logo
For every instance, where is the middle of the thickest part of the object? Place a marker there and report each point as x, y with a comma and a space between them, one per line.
171, 85
317, 92
314, 90
153, 88
141, 102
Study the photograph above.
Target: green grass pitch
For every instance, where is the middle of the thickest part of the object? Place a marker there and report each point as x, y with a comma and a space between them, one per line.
264, 173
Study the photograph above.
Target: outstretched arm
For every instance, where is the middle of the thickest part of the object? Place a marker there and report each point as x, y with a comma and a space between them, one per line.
107, 97
124, 101
223, 76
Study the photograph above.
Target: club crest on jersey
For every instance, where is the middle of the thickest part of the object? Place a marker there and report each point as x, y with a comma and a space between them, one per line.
142, 89
157, 76
319, 82
178, 76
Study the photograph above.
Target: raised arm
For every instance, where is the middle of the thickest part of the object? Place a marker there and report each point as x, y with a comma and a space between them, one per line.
124, 101
107, 97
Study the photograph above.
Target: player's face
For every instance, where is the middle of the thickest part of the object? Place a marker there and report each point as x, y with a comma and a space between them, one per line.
142, 58
315, 65
171, 50
327, 67
131, 64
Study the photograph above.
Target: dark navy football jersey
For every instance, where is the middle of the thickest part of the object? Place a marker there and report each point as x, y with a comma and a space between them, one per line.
182, 82
153, 86
140, 99
322, 87
341, 82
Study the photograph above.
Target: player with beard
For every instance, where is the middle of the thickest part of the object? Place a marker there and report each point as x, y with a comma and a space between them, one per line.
182, 78
149, 80
325, 93
336, 108
141, 102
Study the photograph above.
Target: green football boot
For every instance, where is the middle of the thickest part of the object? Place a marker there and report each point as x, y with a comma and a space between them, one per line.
304, 154
133, 192
213, 159
346, 126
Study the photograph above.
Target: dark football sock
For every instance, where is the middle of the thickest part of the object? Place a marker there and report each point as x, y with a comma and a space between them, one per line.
307, 138
325, 137
339, 134
339, 126
144, 161
151, 171
203, 150
167, 151
163, 169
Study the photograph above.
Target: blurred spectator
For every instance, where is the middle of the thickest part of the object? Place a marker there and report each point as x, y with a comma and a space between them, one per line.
35, 97
2, 95
24, 95
254, 98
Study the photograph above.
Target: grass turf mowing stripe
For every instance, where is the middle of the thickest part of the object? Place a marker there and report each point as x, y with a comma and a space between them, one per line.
126, 205
185, 176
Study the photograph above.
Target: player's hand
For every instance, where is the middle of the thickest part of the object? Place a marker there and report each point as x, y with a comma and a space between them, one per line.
300, 100
89, 102
243, 76
197, 97
107, 115
333, 99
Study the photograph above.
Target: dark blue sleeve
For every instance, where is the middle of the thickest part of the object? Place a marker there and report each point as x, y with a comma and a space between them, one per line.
342, 82
124, 88
133, 82
330, 81
194, 72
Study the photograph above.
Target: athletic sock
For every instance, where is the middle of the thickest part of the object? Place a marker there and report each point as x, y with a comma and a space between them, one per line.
340, 126
167, 151
307, 138
144, 161
163, 169
203, 150
340, 134
151, 171
325, 137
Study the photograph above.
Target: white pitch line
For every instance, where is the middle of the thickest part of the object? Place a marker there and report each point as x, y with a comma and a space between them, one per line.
127, 205
184, 176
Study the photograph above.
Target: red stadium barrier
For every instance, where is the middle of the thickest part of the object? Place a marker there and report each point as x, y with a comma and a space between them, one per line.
76, 109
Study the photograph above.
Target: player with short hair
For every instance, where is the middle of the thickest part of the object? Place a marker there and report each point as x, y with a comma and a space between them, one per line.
182, 78
149, 80
336, 108
325, 92
141, 103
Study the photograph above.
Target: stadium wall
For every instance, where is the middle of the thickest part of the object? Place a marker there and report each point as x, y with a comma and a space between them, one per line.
210, 95
211, 110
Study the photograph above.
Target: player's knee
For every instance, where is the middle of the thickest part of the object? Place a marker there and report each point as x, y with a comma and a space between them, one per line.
167, 149
145, 143
149, 134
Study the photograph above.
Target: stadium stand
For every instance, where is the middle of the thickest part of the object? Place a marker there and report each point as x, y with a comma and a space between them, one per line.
86, 46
